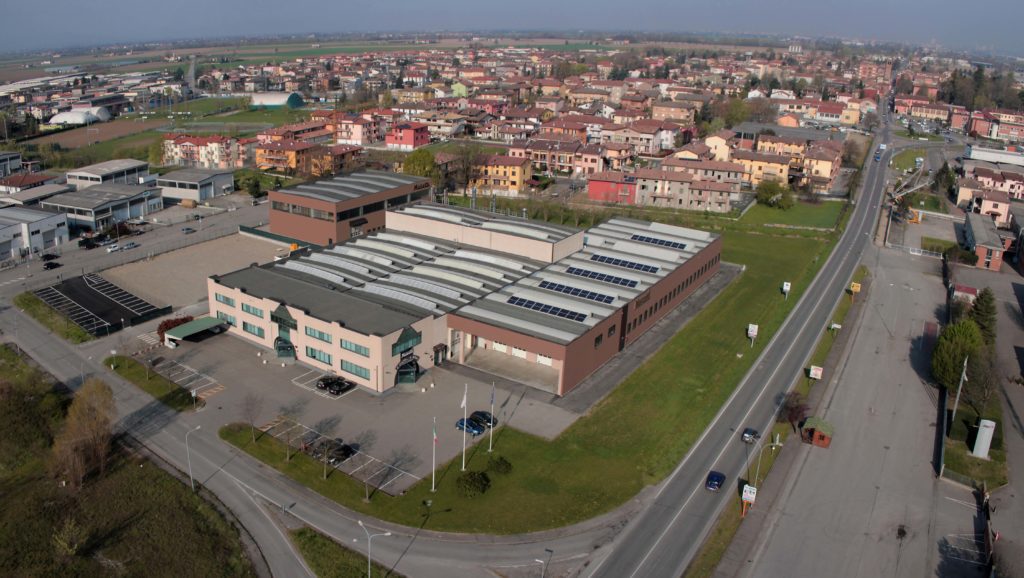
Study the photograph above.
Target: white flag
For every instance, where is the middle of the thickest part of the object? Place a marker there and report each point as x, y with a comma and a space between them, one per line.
464, 395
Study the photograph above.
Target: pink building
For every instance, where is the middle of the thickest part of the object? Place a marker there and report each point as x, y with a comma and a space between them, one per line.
408, 136
612, 187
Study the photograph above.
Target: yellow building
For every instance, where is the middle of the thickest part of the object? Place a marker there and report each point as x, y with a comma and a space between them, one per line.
286, 156
503, 175
759, 167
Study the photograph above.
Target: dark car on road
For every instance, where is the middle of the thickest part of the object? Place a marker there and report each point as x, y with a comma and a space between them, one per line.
470, 426
750, 435
50, 265
49, 257
715, 481
334, 385
188, 230
484, 417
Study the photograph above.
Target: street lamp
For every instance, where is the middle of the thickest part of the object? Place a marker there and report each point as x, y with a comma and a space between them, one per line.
543, 566
369, 546
757, 473
188, 458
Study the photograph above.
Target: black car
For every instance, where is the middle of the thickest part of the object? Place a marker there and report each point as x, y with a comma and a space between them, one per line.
87, 244
339, 387
484, 417
340, 452
49, 257
50, 265
188, 230
714, 481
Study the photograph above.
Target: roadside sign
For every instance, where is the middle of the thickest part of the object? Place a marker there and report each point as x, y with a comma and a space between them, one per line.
835, 326
854, 287
752, 330
749, 494
785, 287
815, 372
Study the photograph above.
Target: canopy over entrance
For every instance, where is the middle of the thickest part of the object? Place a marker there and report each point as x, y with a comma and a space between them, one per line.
192, 327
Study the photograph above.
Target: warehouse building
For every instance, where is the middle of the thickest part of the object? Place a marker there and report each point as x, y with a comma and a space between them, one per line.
196, 185
539, 303
117, 171
334, 210
24, 231
101, 206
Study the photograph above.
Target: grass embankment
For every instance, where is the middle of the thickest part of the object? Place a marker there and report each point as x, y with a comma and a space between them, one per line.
958, 457
718, 540
822, 215
634, 438
329, 559
134, 520
148, 380
918, 135
907, 159
50, 318
274, 116
268, 182
453, 145
935, 244
927, 201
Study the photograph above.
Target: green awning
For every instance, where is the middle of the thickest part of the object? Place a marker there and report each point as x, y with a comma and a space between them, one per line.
818, 424
192, 327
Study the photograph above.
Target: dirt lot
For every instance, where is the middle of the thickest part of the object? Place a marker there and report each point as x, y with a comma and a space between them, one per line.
83, 136
178, 278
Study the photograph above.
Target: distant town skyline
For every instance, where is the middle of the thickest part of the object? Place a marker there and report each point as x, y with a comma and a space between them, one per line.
65, 24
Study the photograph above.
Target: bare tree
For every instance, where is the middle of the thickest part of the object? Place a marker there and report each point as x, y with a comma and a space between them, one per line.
467, 164
291, 412
326, 428
794, 409
252, 406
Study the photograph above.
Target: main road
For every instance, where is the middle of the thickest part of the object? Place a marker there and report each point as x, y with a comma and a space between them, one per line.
663, 539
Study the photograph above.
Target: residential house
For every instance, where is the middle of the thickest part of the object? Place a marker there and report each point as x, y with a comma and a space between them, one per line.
612, 187
408, 136
758, 167
503, 175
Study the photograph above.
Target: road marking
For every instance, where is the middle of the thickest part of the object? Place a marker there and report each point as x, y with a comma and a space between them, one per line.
151, 338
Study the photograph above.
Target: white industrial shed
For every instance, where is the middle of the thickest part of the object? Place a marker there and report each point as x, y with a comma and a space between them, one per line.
82, 116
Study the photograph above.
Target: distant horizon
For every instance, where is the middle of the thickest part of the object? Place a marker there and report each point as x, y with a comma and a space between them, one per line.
70, 25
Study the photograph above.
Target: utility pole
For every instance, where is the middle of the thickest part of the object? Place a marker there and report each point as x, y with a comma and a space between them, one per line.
959, 388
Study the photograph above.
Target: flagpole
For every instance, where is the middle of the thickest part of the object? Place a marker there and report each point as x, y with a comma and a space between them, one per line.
433, 459
490, 426
465, 425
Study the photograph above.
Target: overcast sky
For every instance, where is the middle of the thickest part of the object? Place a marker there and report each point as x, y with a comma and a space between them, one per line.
63, 23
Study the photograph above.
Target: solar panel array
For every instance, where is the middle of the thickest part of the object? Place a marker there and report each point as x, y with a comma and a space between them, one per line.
624, 263
577, 292
601, 277
658, 242
549, 309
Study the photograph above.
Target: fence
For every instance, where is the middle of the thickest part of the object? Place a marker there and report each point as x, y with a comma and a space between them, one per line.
915, 251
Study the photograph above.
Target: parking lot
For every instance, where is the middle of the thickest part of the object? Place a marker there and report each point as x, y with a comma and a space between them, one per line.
95, 304
178, 278
201, 385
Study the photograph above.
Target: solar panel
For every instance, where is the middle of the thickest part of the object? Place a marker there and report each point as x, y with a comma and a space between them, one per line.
603, 277
658, 242
576, 292
545, 308
624, 263
314, 271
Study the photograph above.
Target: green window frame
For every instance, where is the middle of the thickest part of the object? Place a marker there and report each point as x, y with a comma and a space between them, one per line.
224, 299
254, 311
321, 356
407, 340
230, 319
317, 334
253, 329
355, 348
349, 367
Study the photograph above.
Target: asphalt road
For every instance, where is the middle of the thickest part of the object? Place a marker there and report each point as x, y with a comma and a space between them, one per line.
665, 537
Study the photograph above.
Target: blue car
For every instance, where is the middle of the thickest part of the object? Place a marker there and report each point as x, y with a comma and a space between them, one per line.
469, 426
715, 481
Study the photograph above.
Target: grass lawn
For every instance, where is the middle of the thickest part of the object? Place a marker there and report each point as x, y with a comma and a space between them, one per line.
329, 559
821, 215
267, 181
717, 542
50, 318
274, 116
452, 146
634, 438
164, 390
134, 520
928, 202
133, 146
961, 441
906, 160
937, 245
918, 135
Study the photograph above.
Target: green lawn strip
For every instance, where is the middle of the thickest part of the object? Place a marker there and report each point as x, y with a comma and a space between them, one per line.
148, 380
267, 181
927, 201
329, 559
823, 215
50, 318
937, 245
718, 540
274, 116
634, 438
958, 459
906, 160
134, 146
918, 135
452, 146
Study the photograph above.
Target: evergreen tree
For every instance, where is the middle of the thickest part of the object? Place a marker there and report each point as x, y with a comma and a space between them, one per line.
984, 315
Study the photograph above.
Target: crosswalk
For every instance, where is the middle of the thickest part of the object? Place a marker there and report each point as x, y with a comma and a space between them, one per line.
150, 338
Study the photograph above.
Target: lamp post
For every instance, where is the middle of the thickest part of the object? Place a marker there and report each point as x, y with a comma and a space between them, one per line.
543, 566
188, 458
757, 473
369, 546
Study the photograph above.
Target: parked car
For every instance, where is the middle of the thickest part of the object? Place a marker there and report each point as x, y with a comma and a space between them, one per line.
113, 248
104, 241
484, 417
188, 230
470, 426
339, 452
129, 245
50, 265
48, 257
341, 386
86, 244
750, 435
715, 481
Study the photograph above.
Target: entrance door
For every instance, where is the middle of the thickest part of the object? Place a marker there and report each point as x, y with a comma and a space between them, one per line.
283, 344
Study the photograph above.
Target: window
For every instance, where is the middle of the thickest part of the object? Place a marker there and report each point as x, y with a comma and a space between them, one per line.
317, 334
598, 340
253, 329
229, 319
225, 300
279, 206
611, 331
407, 340
355, 348
255, 312
321, 356
349, 367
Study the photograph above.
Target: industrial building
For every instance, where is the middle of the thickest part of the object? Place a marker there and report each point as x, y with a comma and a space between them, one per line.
538, 303
101, 206
196, 185
334, 210
117, 171
24, 231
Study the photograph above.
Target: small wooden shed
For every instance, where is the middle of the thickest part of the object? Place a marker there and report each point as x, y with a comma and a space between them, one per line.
816, 431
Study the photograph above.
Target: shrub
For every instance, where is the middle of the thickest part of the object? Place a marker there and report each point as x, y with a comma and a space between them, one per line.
472, 484
499, 465
168, 324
